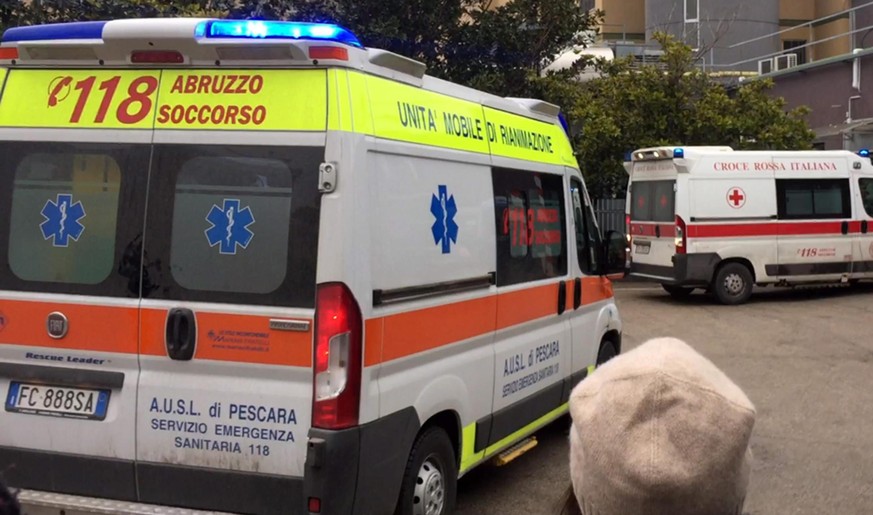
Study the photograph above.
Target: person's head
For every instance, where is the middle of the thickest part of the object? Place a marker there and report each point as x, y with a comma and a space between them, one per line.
8, 502
660, 430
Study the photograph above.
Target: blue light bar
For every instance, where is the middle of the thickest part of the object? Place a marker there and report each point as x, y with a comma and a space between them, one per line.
864, 152
678, 153
55, 32
257, 29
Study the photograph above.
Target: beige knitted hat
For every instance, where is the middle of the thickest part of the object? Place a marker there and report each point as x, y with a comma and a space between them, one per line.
660, 431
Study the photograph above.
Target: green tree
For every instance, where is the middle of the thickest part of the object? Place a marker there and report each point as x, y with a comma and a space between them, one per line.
672, 103
500, 50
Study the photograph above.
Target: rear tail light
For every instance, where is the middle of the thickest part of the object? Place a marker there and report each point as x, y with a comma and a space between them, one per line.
338, 349
681, 239
627, 225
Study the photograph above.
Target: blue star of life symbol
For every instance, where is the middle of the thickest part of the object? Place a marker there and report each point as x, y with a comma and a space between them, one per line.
62, 220
230, 226
444, 229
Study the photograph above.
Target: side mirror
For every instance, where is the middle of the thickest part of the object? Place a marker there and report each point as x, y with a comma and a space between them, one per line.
615, 253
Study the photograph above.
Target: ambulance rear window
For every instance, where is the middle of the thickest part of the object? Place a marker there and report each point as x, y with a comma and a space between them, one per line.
653, 201
68, 216
234, 224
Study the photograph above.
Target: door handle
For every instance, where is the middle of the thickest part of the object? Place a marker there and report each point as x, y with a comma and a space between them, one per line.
577, 293
844, 227
562, 297
863, 226
181, 334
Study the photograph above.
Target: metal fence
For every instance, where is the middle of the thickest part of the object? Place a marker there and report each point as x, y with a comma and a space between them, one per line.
610, 214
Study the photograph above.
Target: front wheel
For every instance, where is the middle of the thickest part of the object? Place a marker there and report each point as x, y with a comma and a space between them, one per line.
431, 478
677, 292
607, 352
733, 284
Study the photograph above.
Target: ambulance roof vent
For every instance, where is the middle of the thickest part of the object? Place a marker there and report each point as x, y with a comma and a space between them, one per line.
397, 62
538, 106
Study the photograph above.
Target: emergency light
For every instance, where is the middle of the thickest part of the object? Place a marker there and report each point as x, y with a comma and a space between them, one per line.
55, 32
209, 29
864, 152
257, 29
678, 153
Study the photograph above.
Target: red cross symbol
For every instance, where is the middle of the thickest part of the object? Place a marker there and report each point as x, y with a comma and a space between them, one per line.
736, 198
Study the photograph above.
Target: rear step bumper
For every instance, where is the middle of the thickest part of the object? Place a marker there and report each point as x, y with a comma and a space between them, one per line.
34, 502
687, 270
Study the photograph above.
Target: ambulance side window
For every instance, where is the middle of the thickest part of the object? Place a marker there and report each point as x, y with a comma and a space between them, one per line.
867, 195
809, 199
587, 233
531, 226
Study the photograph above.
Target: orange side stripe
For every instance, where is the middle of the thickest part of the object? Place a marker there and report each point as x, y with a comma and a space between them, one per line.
405, 334
91, 328
571, 289
522, 306
596, 289
418, 331
235, 338
373, 342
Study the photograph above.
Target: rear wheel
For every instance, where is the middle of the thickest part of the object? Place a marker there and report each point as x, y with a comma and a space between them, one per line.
677, 292
431, 478
733, 284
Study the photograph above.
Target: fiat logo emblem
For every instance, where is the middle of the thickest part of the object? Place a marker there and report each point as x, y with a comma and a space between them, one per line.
57, 325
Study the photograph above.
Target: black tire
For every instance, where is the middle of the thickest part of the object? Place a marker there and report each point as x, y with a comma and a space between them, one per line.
733, 284
677, 292
607, 352
432, 453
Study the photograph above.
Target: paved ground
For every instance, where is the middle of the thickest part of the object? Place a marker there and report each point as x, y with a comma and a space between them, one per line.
804, 358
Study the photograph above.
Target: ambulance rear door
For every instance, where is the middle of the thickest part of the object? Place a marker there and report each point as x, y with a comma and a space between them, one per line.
226, 388
72, 202
653, 219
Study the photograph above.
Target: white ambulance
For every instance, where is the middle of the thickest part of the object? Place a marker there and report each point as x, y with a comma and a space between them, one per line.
255, 267
724, 220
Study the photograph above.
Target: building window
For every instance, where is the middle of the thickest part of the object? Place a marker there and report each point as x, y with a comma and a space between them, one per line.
692, 9
795, 46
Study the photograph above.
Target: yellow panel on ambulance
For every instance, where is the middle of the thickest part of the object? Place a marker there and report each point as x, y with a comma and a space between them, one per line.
128, 99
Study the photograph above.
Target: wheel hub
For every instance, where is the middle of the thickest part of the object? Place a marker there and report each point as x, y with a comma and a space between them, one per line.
734, 284
429, 495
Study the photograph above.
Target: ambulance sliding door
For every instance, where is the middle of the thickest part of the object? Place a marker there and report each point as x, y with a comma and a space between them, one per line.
815, 219
533, 342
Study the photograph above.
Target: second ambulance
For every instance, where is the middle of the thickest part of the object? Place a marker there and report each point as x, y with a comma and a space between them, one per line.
725, 220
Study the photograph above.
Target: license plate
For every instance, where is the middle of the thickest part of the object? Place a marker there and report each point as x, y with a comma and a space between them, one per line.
642, 249
57, 401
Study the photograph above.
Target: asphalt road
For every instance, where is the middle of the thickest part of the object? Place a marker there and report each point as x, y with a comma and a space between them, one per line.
804, 358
